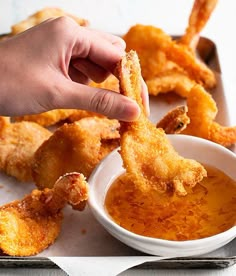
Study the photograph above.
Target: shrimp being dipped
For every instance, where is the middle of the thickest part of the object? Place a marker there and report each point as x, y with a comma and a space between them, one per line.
150, 160
30, 225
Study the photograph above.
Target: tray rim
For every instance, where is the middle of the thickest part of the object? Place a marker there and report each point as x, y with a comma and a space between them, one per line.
182, 263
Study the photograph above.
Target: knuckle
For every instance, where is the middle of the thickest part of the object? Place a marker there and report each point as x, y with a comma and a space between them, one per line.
121, 42
102, 102
65, 21
63, 25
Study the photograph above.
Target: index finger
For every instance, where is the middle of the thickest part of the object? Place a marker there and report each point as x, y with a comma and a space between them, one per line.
114, 39
97, 48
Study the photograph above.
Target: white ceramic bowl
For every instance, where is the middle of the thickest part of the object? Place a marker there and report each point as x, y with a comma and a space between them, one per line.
190, 147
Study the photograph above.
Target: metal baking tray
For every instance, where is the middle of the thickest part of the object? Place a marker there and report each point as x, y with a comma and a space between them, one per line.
221, 258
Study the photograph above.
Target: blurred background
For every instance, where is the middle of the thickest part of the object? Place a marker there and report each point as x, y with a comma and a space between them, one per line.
116, 16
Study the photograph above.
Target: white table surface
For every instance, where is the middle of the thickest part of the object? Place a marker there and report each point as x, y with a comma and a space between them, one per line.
117, 16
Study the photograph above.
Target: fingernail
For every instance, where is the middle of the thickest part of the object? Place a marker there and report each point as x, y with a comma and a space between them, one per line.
122, 45
129, 112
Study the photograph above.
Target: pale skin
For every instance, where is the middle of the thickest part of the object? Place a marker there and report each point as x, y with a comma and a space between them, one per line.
49, 66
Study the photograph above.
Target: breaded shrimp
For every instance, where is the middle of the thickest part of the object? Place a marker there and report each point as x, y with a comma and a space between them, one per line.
30, 225
202, 111
200, 14
175, 121
155, 47
18, 143
78, 146
150, 160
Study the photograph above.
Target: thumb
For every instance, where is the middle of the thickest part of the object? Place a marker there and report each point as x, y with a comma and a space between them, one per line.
103, 101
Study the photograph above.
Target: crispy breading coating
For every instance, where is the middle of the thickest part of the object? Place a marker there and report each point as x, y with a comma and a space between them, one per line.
18, 143
168, 81
110, 83
47, 118
175, 121
148, 157
55, 116
155, 47
43, 15
30, 225
79, 114
200, 14
202, 111
78, 146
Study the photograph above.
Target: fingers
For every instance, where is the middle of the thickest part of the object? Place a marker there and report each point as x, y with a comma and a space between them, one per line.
89, 69
106, 102
78, 76
104, 50
113, 39
97, 74
94, 68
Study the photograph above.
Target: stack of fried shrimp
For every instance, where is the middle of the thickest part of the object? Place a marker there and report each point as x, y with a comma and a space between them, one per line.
170, 65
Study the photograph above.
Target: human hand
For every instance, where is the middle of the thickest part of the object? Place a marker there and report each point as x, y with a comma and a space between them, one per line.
47, 67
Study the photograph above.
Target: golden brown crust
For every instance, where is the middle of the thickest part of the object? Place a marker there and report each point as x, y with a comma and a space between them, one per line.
74, 147
148, 157
30, 225
43, 15
47, 118
159, 55
175, 121
18, 143
168, 81
200, 14
202, 111
110, 83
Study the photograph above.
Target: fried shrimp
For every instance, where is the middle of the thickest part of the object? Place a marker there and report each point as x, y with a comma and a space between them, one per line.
154, 47
200, 14
172, 80
202, 111
79, 114
47, 118
18, 143
150, 160
78, 146
30, 225
55, 116
175, 121
41, 16
110, 83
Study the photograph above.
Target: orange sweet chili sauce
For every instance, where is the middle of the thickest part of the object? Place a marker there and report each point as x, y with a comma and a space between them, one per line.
208, 209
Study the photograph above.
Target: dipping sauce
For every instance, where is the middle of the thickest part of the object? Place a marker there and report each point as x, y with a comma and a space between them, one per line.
209, 209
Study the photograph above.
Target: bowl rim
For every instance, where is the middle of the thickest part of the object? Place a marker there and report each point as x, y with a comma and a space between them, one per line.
104, 218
